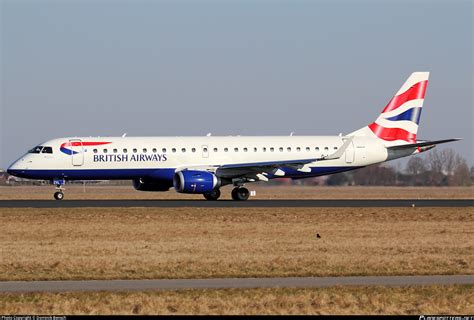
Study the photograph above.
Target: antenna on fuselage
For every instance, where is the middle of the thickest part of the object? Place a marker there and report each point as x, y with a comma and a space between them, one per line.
124, 135
208, 135
292, 133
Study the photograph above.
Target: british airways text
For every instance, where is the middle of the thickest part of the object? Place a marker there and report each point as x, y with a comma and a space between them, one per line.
129, 158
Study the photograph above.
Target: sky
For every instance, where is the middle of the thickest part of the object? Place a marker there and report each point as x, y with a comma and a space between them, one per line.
177, 68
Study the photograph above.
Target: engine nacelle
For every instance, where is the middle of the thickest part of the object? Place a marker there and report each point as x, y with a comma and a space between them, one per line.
194, 181
151, 185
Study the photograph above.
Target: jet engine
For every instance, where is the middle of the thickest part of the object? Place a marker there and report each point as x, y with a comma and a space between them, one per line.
194, 181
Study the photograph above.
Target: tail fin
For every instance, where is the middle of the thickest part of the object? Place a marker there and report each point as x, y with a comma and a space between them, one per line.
400, 118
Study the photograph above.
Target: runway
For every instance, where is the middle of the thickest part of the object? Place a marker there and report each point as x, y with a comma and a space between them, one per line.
229, 283
341, 203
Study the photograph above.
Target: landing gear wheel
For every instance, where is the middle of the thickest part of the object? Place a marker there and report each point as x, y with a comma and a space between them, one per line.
240, 194
58, 195
213, 195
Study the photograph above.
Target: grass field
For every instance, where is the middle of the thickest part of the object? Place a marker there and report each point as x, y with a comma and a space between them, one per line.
263, 192
336, 300
137, 243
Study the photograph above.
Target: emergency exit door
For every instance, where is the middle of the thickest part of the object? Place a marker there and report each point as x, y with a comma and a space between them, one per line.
350, 153
205, 152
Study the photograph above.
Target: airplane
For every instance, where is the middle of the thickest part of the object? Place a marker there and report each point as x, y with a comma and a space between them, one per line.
202, 165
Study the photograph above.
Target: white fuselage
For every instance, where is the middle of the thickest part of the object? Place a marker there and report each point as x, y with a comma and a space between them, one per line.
97, 158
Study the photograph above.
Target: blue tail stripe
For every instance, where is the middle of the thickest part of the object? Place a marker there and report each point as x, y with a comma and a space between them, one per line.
412, 114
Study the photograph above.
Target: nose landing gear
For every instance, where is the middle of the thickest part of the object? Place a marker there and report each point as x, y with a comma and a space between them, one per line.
59, 195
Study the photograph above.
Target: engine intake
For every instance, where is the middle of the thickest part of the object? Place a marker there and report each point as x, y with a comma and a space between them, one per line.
194, 181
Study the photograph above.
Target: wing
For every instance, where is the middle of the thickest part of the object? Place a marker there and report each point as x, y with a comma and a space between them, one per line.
258, 171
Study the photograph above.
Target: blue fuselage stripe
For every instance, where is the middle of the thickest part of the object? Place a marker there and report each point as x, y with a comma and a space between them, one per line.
158, 174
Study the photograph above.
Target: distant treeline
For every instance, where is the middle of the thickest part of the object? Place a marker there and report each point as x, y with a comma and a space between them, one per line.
437, 168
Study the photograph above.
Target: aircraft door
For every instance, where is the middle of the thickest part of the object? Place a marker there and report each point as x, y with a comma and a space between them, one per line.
350, 153
205, 151
77, 152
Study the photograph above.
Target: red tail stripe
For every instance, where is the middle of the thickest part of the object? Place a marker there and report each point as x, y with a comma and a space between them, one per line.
417, 91
391, 134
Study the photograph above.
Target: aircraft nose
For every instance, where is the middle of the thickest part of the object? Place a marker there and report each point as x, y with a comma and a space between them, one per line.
11, 169
16, 167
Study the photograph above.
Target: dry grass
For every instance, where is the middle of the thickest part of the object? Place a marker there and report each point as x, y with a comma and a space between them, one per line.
134, 243
336, 300
263, 192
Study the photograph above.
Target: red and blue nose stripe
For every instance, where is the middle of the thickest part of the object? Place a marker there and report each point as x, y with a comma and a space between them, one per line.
64, 146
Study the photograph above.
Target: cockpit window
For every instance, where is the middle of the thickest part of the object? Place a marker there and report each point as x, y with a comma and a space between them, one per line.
36, 149
47, 150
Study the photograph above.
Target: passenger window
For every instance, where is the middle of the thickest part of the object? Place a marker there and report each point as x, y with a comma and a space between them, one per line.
183, 150
255, 149
47, 150
326, 148
288, 149
115, 150
298, 149
134, 150
164, 150
226, 149
193, 149
272, 149
281, 149
316, 148
205, 149
215, 149
236, 149
144, 150
95, 150
173, 150
124, 150
154, 150
105, 150
264, 149
308, 149
245, 149
335, 148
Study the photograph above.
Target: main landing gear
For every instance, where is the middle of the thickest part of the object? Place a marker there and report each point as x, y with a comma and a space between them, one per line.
59, 195
238, 194
213, 195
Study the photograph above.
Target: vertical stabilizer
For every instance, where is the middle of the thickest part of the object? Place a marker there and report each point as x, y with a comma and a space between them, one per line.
399, 120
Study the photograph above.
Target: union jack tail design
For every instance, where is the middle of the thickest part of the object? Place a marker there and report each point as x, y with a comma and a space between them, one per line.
400, 118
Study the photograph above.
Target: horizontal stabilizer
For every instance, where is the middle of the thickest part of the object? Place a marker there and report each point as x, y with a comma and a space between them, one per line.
421, 144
